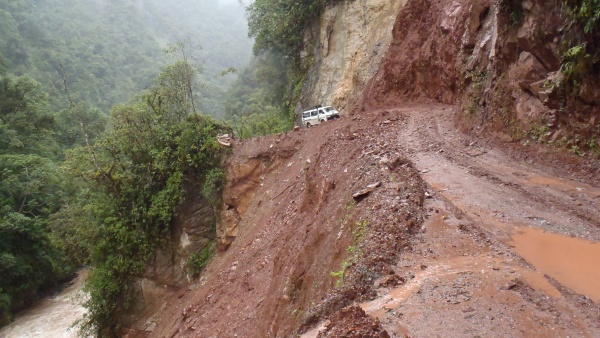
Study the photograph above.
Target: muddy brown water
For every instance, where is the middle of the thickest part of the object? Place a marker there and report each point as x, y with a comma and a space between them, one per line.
51, 317
565, 185
571, 261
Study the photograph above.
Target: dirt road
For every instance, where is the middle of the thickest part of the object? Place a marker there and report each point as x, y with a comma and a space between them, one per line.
510, 247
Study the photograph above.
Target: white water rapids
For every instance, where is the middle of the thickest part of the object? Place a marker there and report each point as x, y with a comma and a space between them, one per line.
52, 316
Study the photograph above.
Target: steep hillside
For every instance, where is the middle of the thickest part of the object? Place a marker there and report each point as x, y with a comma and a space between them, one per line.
391, 222
437, 240
295, 230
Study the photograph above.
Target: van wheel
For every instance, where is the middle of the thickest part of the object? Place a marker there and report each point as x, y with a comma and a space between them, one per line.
307, 124
322, 121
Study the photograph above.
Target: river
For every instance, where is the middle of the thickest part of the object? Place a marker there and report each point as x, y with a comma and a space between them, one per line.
52, 316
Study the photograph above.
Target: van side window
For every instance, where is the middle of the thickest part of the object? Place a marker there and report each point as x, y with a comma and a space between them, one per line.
306, 114
314, 113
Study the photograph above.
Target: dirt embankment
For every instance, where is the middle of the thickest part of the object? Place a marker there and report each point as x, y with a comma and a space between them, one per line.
454, 238
302, 231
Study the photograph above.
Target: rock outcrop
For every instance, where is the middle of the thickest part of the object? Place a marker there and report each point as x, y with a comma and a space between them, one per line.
168, 271
346, 46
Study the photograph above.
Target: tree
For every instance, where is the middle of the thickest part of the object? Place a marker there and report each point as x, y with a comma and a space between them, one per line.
30, 191
24, 126
155, 147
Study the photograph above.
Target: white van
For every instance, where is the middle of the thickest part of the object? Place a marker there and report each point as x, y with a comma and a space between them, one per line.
318, 114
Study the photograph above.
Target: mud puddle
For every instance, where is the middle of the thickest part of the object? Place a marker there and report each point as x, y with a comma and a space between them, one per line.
52, 316
571, 261
395, 297
565, 185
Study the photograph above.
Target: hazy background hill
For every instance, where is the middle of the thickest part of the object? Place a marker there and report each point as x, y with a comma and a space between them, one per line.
112, 49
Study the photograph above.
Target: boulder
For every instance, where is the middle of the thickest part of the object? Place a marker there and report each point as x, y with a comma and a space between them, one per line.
528, 70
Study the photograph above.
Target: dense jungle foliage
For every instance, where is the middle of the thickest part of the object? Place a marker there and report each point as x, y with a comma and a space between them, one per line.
155, 146
78, 187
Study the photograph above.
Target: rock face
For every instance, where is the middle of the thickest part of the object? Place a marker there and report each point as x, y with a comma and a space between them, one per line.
346, 46
499, 60
243, 178
166, 272
421, 61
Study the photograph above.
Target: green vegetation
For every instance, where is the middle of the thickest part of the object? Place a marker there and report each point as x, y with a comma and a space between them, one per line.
156, 146
353, 252
582, 50
255, 104
199, 260
111, 50
31, 189
80, 188
101, 46
586, 13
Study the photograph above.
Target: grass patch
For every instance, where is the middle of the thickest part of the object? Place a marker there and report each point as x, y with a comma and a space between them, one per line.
353, 252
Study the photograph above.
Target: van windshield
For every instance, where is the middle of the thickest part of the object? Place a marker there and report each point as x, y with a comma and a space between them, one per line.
328, 108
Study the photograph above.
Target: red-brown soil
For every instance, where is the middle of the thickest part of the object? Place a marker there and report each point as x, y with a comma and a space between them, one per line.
353, 322
438, 256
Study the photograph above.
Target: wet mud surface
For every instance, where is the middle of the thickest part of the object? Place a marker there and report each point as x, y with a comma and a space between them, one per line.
508, 248
455, 237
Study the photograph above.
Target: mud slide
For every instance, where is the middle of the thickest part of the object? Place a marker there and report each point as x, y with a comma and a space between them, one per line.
510, 247
445, 236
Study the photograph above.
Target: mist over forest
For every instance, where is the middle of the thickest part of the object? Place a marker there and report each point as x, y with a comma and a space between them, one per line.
112, 49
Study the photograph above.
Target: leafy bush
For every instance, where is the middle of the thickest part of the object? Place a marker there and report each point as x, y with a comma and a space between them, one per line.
582, 48
586, 13
199, 260
156, 146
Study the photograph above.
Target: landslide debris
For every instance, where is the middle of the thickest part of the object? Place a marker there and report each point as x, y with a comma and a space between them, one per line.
353, 322
301, 247
300, 251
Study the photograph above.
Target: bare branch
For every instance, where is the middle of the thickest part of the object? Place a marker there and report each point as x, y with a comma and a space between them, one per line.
81, 125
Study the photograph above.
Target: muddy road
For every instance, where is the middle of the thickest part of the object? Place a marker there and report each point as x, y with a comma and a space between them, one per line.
510, 246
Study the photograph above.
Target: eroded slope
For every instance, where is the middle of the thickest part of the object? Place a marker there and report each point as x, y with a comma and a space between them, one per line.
296, 227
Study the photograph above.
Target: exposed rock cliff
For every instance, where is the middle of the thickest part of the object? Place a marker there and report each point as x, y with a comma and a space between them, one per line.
499, 61
345, 47
168, 270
